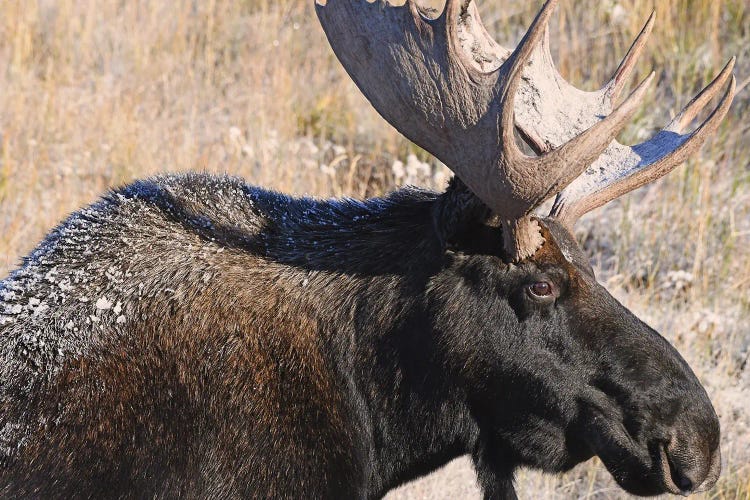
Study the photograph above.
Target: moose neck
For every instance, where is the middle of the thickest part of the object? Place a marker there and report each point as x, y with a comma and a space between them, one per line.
380, 256
416, 420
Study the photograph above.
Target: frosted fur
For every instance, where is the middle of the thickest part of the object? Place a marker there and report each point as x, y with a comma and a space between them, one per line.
149, 241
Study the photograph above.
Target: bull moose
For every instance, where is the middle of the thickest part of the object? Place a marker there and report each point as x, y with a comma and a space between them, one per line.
194, 336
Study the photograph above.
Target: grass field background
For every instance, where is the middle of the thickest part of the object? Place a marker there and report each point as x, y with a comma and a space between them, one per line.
94, 94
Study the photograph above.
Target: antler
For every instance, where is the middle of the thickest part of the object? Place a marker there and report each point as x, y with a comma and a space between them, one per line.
448, 87
622, 169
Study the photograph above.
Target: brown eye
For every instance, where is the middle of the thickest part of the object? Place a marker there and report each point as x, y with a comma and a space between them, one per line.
540, 289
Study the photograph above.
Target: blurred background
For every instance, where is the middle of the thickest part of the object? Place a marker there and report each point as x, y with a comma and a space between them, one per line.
96, 93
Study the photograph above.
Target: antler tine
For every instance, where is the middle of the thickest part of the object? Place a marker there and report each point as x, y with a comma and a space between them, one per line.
625, 168
620, 77
508, 86
695, 106
573, 157
456, 5
463, 16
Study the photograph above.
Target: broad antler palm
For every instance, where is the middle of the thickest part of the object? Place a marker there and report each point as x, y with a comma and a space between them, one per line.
451, 89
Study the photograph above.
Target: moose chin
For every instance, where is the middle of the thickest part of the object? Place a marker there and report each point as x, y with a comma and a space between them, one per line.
195, 336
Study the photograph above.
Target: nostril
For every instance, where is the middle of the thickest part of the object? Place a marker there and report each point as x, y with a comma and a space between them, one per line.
681, 481
687, 467
679, 478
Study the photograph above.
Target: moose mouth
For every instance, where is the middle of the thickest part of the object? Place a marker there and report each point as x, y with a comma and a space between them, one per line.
663, 475
643, 469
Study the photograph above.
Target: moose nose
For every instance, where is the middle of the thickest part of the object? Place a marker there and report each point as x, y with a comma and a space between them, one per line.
686, 471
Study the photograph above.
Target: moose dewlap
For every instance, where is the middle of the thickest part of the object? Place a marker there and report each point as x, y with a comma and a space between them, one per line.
194, 336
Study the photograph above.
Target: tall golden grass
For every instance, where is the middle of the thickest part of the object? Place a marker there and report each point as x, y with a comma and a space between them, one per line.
94, 94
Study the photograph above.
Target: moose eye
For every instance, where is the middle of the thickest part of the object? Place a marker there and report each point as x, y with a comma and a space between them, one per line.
540, 289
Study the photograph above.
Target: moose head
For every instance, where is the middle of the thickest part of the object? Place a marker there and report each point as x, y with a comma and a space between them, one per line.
564, 371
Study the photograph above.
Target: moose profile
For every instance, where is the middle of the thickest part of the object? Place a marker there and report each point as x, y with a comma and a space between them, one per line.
194, 336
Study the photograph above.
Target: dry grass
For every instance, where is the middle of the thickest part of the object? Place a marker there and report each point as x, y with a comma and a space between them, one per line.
94, 94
